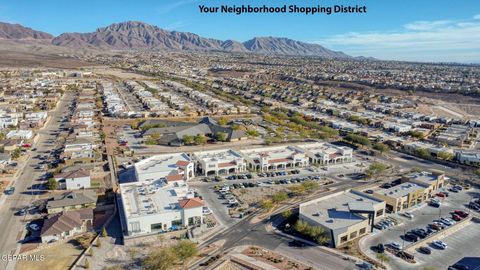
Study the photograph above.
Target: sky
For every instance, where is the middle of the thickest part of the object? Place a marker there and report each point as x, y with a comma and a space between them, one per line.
412, 30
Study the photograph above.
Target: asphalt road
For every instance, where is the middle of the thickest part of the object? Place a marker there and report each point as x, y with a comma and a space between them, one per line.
245, 232
12, 226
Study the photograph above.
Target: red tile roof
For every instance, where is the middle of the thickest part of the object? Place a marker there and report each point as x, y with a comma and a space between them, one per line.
278, 160
174, 177
226, 164
182, 163
190, 203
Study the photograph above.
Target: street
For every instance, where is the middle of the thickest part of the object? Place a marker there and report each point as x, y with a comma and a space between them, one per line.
248, 232
12, 226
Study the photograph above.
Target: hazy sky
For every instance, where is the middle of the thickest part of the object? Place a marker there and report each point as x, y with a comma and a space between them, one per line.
422, 30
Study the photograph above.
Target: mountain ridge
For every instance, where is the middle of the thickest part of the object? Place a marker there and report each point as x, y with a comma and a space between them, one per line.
136, 35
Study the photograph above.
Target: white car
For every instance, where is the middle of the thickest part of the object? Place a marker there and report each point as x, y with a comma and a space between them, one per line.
34, 227
395, 245
206, 210
232, 201
408, 215
439, 244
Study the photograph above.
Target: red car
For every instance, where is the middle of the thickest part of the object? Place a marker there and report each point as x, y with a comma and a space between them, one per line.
441, 195
456, 217
461, 213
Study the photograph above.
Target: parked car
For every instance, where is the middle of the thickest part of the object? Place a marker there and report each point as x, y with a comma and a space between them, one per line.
21, 212
425, 250
434, 226
434, 204
411, 237
206, 210
420, 233
474, 206
439, 244
395, 245
408, 215
9, 191
456, 217
461, 213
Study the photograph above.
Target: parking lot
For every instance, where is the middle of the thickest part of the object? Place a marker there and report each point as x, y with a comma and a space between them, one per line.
460, 243
219, 202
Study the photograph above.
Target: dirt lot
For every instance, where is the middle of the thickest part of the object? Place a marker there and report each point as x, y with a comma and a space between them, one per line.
58, 257
252, 196
273, 259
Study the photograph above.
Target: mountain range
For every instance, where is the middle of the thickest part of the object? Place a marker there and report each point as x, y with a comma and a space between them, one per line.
138, 36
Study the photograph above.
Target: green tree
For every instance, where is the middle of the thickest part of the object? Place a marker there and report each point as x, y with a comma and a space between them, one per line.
221, 136
381, 147
52, 184
222, 121
104, 232
445, 155
162, 259
200, 139
359, 139
253, 132
266, 204
375, 169
287, 213
297, 189
301, 226
416, 134
423, 152
187, 139
382, 257
279, 197
102, 136
86, 264
310, 186
322, 239
16, 153
359, 120
185, 250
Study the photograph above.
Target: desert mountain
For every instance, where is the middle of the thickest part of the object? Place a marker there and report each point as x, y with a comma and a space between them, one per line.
133, 35
16, 31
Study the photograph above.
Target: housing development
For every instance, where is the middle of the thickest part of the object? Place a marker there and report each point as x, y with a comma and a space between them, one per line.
231, 158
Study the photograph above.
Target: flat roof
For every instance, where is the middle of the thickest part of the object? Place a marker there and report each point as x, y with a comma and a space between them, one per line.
160, 163
322, 148
401, 190
335, 212
275, 152
426, 177
217, 155
157, 197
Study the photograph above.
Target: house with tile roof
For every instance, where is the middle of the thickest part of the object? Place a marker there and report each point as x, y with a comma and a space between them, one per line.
72, 200
66, 224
